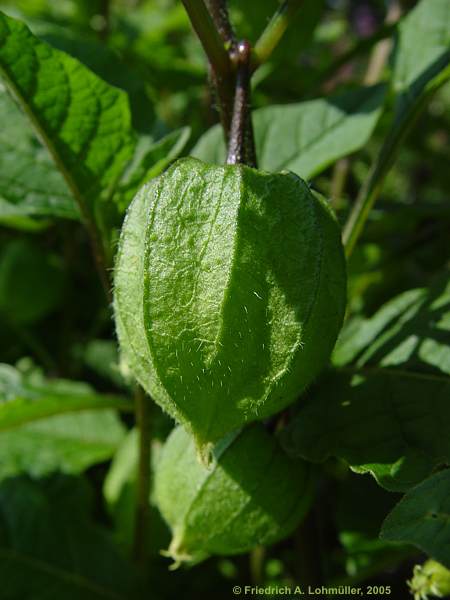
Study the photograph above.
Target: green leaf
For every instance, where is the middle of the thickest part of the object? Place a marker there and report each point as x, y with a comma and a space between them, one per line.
69, 443
84, 122
422, 518
422, 50
29, 183
102, 357
25, 398
26, 272
410, 332
150, 159
306, 137
381, 414
392, 425
51, 548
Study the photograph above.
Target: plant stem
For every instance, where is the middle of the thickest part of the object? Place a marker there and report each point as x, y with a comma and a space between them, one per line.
386, 157
308, 572
218, 10
257, 557
141, 525
241, 147
341, 170
209, 36
219, 59
274, 31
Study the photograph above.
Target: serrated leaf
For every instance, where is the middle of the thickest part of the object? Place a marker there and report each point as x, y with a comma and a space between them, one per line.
84, 122
51, 548
422, 518
422, 49
381, 414
308, 136
392, 425
25, 398
29, 183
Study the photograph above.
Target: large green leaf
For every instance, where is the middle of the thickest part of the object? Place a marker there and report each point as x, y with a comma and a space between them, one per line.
51, 548
422, 50
84, 122
25, 398
393, 425
305, 137
29, 183
422, 518
387, 412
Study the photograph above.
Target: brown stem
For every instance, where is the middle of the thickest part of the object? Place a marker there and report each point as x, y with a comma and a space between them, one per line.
221, 67
218, 10
141, 525
241, 148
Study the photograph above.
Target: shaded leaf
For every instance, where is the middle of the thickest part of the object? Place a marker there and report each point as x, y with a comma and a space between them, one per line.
392, 425
27, 272
25, 398
387, 413
358, 530
305, 137
422, 518
51, 548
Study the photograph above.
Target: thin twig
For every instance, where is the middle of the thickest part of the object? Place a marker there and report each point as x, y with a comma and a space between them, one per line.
141, 526
218, 10
241, 147
221, 67
209, 36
